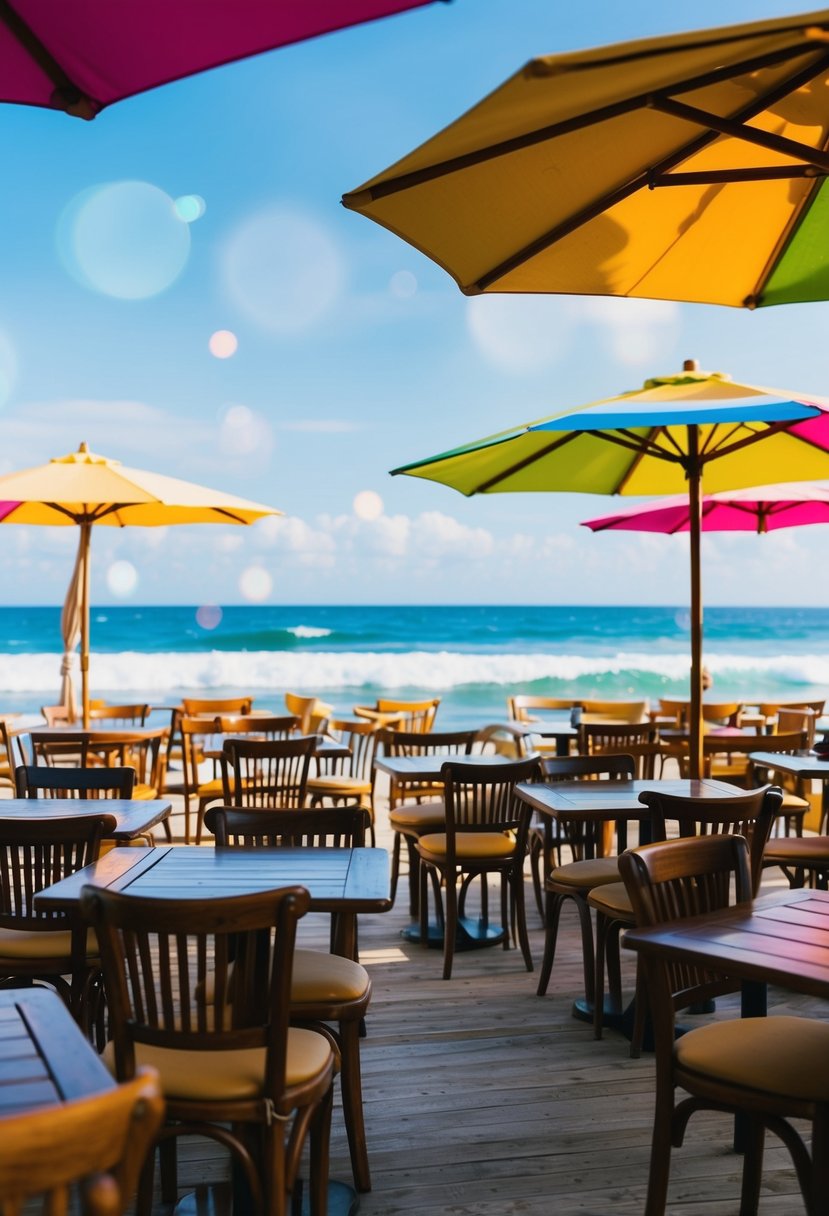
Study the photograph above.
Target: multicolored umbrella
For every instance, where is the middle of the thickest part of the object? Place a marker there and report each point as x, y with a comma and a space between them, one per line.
83, 55
690, 167
85, 490
660, 439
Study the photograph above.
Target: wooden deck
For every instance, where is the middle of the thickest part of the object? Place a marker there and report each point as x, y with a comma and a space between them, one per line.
483, 1099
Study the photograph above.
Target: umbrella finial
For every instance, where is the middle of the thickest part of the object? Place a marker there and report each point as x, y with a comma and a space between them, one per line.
690, 365
83, 447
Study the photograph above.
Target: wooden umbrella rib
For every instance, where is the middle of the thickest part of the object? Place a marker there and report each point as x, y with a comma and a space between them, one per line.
66, 96
528, 139
644, 179
772, 428
718, 177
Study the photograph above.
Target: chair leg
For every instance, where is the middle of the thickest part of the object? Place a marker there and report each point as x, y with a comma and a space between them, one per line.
320, 1139
660, 1167
423, 903
640, 1014
602, 925
517, 884
450, 926
168, 1160
352, 1096
553, 915
752, 1166
414, 876
395, 865
535, 851
586, 946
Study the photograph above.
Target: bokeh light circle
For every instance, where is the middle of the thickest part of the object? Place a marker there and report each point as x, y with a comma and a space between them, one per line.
367, 505
402, 285
223, 343
283, 270
123, 239
122, 579
245, 433
255, 584
209, 616
190, 207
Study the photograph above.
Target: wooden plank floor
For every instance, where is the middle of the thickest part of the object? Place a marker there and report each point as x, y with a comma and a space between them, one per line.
483, 1099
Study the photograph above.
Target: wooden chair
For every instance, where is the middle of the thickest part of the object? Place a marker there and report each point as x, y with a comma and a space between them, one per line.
631, 712
401, 715
47, 946
198, 734
7, 760
640, 740
313, 714
263, 726
231, 1068
47, 781
324, 987
523, 707
199, 707
418, 808
95, 1146
803, 859
576, 879
768, 1069
266, 774
120, 749
120, 715
485, 833
750, 815
352, 778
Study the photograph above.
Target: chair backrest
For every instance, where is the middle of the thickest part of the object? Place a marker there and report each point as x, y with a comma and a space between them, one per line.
790, 721
361, 738
620, 711
676, 879
196, 734
751, 815
318, 827
267, 773
602, 766
264, 726
481, 797
520, 707
723, 713
401, 715
313, 713
503, 739
677, 711
640, 740
7, 746
191, 707
770, 708
156, 954
96, 1145
36, 853
47, 781
120, 715
433, 743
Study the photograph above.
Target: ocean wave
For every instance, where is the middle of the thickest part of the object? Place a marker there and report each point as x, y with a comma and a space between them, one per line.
308, 631
322, 671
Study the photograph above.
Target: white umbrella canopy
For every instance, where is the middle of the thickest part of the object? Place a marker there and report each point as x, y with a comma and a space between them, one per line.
86, 490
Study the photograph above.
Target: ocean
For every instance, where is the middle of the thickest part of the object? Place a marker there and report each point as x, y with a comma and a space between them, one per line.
472, 657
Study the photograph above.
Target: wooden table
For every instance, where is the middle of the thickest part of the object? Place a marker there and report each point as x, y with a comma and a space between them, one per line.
133, 817
340, 881
44, 1058
806, 765
605, 800
559, 729
416, 769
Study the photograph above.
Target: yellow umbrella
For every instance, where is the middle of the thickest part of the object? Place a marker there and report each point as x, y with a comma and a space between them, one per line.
690, 167
87, 490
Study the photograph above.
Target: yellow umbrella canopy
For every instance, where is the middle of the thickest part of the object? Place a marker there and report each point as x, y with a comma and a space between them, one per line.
690, 167
87, 490
662, 439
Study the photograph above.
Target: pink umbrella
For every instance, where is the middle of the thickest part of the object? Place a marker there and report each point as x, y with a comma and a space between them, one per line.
81, 55
758, 509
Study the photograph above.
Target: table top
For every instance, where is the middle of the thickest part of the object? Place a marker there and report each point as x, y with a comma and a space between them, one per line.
782, 938
610, 799
546, 728
427, 768
80, 734
347, 880
44, 1058
132, 816
804, 764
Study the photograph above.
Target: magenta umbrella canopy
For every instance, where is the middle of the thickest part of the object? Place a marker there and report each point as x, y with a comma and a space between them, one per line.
81, 55
758, 509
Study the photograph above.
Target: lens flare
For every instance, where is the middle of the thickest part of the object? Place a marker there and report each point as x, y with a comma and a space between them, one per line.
223, 343
255, 584
209, 616
122, 579
190, 207
368, 505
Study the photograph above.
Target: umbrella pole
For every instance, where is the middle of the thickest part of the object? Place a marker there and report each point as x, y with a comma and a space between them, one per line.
86, 530
695, 511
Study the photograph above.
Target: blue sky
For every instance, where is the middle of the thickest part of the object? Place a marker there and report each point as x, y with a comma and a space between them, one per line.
355, 353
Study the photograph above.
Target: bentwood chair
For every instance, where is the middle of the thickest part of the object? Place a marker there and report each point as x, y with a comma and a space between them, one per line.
640, 740
312, 713
120, 715
93, 1148
485, 833
47, 946
401, 715
47, 781
416, 808
266, 774
231, 1068
324, 987
200, 707
198, 736
574, 880
750, 815
770, 1070
352, 780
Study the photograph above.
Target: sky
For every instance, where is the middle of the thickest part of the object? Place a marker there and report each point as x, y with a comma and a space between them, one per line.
181, 289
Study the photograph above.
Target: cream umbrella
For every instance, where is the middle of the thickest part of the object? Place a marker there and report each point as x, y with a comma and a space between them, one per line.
87, 490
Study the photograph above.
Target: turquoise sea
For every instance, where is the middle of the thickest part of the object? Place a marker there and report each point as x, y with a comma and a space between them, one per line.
472, 657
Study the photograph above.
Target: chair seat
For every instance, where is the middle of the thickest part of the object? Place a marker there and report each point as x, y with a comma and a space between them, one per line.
333, 783
584, 875
211, 789
793, 802
612, 899
31, 943
319, 978
786, 1056
418, 815
227, 1075
468, 845
797, 849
